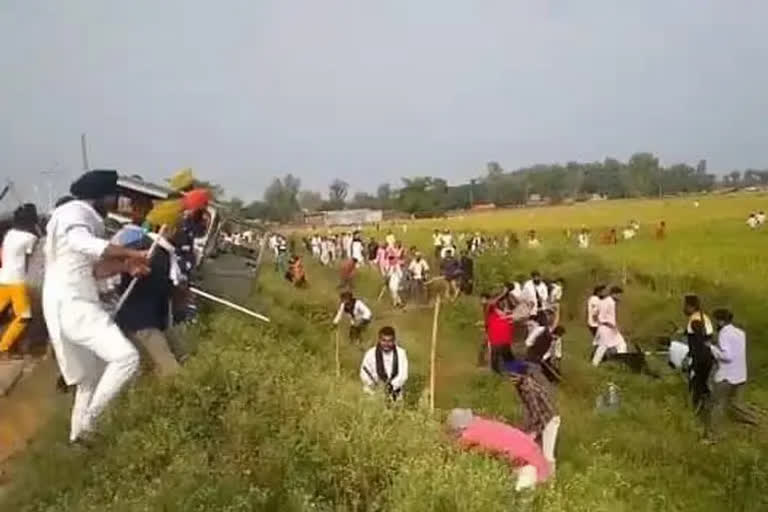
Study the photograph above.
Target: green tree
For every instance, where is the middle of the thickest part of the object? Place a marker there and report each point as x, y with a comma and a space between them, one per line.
310, 200
281, 198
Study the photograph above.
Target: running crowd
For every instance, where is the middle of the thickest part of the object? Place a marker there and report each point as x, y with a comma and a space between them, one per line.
105, 301
523, 342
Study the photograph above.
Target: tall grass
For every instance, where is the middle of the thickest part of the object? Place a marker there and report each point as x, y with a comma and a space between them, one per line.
257, 421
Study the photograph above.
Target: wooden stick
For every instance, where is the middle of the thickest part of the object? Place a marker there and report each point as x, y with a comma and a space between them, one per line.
229, 304
338, 359
132, 284
432, 355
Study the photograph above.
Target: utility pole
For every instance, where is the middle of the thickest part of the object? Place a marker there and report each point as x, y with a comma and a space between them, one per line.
84, 150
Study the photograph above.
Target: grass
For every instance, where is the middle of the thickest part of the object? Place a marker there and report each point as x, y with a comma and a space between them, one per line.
257, 420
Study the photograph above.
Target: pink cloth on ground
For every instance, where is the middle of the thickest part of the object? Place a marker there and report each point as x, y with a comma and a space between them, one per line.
502, 439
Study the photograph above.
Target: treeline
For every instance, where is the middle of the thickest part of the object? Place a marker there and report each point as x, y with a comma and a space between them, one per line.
640, 176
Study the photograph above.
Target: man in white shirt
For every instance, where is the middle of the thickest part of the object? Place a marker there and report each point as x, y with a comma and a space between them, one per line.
418, 270
357, 250
608, 334
731, 375
18, 245
385, 365
533, 240
760, 217
91, 351
593, 308
447, 238
535, 293
752, 221
583, 239
553, 300
359, 315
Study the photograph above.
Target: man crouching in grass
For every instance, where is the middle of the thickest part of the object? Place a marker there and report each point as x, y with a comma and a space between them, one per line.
503, 440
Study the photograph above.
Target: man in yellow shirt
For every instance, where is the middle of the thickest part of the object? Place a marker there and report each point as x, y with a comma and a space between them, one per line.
18, 244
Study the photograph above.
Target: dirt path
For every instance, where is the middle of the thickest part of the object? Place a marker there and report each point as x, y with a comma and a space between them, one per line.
28, 408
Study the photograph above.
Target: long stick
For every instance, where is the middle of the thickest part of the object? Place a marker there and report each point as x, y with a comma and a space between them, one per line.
338, 359
132, 284
229, 304
432, 355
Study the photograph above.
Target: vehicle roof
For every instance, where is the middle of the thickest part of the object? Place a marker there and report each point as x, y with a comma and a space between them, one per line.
137, 184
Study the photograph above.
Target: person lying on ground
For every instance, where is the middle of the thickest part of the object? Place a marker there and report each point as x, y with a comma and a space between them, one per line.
385, 366
608, 335
541, 419
503, 440
499, 333
359, 315
730, 351
18, 245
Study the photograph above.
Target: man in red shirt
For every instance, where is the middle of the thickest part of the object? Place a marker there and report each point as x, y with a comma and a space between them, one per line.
499, 332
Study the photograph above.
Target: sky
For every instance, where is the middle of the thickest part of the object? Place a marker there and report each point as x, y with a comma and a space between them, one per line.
370, 91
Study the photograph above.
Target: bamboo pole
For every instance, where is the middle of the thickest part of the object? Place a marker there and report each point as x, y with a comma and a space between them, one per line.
229, 304
338, 359
432, 356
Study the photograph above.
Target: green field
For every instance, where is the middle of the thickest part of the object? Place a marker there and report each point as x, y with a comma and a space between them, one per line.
257, 421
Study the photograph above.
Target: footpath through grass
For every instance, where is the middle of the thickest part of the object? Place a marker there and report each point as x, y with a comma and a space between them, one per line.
647, 456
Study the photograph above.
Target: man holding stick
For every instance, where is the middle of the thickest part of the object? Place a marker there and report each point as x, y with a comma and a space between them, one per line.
91, 351
385, 364
145, 314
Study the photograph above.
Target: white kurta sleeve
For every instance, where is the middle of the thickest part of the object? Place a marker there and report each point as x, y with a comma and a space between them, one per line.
535, 332
81, 240
368, 370
339, 314
402, 369
363, 311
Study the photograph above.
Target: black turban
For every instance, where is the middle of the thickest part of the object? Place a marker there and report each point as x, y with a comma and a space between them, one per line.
95, 185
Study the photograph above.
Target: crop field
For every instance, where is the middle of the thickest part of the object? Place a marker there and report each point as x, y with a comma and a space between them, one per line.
258, 420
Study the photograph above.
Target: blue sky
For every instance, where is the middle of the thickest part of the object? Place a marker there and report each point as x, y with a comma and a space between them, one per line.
369, 91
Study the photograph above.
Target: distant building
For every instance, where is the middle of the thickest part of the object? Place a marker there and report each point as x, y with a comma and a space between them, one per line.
483, 206
344, 217
537, 200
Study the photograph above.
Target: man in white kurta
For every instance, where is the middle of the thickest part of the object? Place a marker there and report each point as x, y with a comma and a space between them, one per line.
385, 364
535, 294
608, 334
91, 351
